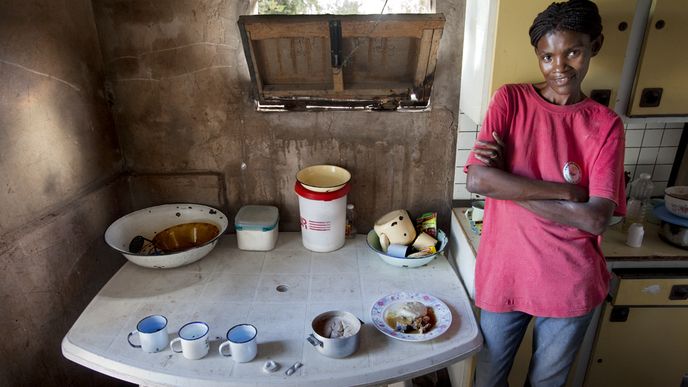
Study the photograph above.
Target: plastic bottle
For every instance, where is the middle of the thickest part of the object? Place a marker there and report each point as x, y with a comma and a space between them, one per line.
350, 219
639, 200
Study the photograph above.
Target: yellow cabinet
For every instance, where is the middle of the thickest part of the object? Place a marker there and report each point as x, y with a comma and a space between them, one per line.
641, 70
642, 337
661, 86
515, 61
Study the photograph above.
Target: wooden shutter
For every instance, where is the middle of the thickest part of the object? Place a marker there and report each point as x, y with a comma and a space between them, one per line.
375, 61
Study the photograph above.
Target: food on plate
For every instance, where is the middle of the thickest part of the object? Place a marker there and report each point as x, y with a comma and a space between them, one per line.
411, 317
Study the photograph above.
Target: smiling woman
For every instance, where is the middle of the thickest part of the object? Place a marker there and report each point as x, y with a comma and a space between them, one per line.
550, 161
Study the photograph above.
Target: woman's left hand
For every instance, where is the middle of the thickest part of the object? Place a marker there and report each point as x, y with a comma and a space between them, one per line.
490, 153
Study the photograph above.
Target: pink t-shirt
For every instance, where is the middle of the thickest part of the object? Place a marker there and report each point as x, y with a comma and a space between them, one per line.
528, 263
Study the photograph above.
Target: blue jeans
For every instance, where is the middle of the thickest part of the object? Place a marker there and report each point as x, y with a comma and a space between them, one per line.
555, 344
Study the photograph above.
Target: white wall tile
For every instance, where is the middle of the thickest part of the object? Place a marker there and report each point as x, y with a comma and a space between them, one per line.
652, 137
655, 125
658, 189
460, 192
675, 125
462, 157
630, 169
671, 137
635, 125
466, 140
643, 169
631, 156
459, 176
634, 138
466, 124
666, 155
648, 155
662, 172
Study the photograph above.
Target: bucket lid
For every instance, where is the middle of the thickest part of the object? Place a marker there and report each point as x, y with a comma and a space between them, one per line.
321, 196
256, 217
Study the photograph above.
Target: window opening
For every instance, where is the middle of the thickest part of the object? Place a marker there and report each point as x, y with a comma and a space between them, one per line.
342, 7
383, 61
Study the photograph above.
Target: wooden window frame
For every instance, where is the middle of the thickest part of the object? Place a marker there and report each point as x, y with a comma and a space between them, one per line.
310, 62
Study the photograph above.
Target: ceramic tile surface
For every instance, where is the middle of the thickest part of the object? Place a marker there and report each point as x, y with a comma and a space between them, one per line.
280, 292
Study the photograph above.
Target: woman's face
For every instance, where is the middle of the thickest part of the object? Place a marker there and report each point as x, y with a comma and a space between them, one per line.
564, 57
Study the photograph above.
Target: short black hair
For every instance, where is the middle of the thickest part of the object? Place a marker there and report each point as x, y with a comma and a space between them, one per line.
574, 15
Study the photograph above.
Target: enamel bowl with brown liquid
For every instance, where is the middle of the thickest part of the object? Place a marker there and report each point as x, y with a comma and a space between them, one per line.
167, 236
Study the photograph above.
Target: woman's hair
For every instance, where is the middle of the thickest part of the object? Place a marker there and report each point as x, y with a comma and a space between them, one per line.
574, 15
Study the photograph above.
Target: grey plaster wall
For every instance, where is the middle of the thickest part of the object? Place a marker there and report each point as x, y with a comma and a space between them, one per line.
180, 86
59, 164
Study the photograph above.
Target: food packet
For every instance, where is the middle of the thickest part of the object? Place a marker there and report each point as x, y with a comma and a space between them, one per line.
427, 223
424, 253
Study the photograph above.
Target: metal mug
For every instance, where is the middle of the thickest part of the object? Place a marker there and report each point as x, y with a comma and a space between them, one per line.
242, 343
193, 340
152, 333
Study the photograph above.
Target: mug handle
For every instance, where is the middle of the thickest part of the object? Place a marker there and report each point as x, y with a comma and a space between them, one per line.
222, 346
129, 340
173, 342
384, 242
314, 341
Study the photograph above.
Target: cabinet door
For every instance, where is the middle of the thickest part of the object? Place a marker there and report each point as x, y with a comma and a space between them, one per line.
515, 60
662, 67
648, 348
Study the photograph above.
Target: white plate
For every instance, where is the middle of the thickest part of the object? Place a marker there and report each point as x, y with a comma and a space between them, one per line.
442, 313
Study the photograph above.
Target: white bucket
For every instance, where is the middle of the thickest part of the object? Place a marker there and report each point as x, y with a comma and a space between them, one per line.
323, 218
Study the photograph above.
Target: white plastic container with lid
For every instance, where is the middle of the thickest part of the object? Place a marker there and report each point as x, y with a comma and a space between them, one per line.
257, 227
323, 218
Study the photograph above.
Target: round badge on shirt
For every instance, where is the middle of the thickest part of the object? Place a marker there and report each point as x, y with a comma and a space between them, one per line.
572, 173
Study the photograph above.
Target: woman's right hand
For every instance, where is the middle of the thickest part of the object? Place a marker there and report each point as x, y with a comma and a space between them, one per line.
490, 153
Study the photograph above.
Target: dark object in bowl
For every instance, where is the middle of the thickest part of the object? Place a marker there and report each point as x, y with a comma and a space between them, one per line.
139, 243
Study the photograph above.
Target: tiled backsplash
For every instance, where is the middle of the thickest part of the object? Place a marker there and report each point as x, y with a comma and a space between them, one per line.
650, 148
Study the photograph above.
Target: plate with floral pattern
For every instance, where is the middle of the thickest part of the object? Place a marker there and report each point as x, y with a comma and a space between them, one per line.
383, 306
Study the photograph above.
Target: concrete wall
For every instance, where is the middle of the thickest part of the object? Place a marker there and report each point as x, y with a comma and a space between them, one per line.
182, 107
59, 164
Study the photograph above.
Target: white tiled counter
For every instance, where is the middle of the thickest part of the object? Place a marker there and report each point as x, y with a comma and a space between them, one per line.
231, 286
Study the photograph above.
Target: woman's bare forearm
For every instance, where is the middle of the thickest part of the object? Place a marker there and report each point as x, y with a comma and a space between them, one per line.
591, 216
498, 184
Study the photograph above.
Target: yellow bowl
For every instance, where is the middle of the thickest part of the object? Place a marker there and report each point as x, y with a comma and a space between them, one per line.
323, 178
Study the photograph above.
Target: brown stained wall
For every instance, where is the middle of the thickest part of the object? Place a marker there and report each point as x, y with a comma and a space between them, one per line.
181, 85
58, 192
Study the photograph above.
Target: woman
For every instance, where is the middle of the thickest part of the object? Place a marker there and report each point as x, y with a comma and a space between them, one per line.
550, 162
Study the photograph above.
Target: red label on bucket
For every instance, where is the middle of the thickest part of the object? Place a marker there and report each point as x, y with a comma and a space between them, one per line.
315, 225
